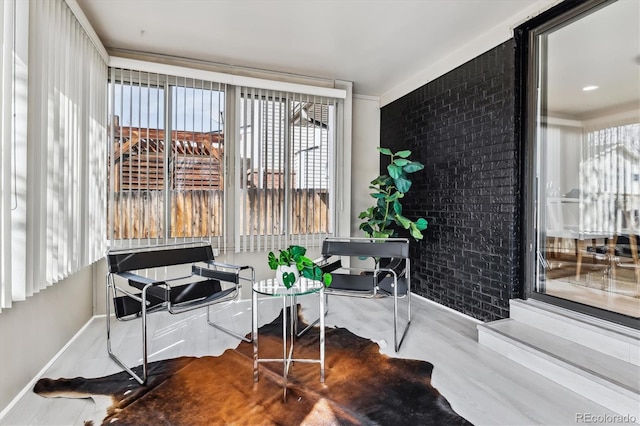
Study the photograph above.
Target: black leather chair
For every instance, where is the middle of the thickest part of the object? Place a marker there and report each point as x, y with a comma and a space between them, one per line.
390, 275
208, 283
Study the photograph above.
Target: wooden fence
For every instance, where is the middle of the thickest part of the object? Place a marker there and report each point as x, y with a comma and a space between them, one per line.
199, 213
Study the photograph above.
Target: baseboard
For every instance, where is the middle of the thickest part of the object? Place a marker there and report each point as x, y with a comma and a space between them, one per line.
446, 308
37, 377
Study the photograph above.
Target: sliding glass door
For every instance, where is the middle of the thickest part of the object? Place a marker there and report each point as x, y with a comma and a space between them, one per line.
584, 123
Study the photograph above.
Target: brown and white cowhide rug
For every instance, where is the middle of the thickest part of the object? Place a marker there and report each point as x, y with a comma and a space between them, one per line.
362, 387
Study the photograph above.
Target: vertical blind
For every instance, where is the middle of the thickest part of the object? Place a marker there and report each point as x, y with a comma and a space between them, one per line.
610, 179
284, 159
66, 155
166, 150
7, 132
170, 150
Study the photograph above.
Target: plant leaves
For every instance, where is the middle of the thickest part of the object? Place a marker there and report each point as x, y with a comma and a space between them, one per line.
367, 229
381, 181
412, 167
421, 224
297, 251
402, 184
394, 171
403, 221
273, 262
396, 195
382, 234
285, 257
317, 273
415, 232
397, 207
388, 180
295, 255
327, 279
385, 218
365, 214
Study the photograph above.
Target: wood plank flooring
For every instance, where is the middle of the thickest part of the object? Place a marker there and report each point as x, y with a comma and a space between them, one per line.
482, 386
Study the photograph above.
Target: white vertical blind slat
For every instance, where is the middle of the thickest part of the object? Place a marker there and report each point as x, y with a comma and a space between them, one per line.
255, 161
310, 175
53, 148
7, 81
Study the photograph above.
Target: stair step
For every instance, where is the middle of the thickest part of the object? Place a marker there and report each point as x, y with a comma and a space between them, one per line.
606, 380
612, 339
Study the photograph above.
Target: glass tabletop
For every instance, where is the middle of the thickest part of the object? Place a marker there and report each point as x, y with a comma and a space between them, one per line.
271, 287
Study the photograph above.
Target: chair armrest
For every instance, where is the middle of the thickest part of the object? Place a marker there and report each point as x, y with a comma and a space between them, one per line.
329, 264
140, 278
216, 274
228, 265
154, 288
379, 273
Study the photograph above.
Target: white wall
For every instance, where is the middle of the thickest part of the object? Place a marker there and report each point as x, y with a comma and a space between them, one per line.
33, 331
365, 159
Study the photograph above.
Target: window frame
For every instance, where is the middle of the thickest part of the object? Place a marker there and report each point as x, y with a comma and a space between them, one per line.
230, 188
527, 76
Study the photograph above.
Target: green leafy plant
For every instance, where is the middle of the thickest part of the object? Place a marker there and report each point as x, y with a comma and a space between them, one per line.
306, 267
379, 221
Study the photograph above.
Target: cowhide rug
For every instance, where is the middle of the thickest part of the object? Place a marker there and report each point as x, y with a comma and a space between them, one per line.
362, 387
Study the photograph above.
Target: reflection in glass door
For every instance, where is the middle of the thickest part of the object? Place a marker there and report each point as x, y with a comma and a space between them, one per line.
587, 154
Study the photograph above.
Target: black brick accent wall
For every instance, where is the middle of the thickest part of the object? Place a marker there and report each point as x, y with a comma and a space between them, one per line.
461, 126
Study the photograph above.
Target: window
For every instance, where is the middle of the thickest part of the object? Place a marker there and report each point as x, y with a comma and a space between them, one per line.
263, 183
285, 155
165, 188
584, 169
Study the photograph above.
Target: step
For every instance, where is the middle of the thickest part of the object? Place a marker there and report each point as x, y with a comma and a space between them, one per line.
612, 339
604, 379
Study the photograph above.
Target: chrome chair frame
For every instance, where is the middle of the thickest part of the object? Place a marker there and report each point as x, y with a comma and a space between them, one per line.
392, 279
157, 294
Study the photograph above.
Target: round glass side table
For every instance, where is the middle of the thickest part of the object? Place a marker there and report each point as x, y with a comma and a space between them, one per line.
302, 287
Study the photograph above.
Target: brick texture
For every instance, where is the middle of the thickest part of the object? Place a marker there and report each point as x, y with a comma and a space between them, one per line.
461, 127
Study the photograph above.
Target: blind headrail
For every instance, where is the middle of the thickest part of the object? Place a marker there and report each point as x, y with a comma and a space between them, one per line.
236, 80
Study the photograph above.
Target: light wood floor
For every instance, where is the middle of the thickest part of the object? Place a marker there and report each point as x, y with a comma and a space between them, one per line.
482, 386
603, 299
602, 285
617, 293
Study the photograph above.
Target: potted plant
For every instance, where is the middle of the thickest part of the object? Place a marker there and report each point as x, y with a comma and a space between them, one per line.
292, 262
380, 220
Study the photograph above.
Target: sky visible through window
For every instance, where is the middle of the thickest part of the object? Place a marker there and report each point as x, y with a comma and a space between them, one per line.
198, 110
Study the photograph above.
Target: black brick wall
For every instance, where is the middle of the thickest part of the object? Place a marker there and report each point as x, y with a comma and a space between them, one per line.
461, 126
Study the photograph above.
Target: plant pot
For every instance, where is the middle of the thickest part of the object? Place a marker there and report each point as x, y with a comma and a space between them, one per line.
287, 275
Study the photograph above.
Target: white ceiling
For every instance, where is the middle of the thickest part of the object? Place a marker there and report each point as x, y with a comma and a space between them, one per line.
378, 45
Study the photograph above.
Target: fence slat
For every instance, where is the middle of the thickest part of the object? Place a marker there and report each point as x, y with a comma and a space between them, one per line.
198, 213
